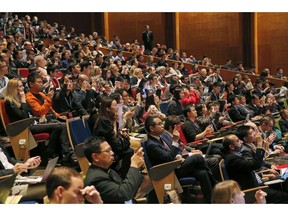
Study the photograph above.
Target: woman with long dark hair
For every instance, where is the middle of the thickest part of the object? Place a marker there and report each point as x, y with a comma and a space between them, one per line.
107, 126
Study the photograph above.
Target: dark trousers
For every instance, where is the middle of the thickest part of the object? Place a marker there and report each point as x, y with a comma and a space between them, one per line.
196, 166
58, 142
276, 196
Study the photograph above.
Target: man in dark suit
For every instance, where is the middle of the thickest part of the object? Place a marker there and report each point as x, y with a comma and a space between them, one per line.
284, 121
215, 93
234, 111
111, 186
160, 150
255, 106
147, 37
243, 170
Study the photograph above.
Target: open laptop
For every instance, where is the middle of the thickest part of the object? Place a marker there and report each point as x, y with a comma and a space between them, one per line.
279, 179
208, 149
5, 187
41, 178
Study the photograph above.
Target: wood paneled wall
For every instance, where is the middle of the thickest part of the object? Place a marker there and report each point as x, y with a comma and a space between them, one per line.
129, 26
82, 22
217, 35
272, 40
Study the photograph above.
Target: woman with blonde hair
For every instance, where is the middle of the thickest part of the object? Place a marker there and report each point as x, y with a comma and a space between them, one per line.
229, 192
17, 109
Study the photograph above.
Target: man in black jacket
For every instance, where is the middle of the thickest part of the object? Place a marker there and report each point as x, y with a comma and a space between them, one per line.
111, 186
283, 123
160, 150
243, 170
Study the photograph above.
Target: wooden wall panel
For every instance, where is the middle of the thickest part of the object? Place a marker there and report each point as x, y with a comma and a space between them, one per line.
82, 22
130, 26
273, 41
217, 35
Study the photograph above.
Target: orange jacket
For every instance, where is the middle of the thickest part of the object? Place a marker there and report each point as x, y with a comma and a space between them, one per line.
37, 108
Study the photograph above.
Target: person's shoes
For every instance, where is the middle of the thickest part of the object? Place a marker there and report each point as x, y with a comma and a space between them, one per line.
4, 139
69, 160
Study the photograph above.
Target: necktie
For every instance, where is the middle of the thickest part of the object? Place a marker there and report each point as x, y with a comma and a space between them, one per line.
164, 144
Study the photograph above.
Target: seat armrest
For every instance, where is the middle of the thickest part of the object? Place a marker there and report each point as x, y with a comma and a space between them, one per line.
17, 127
160, 171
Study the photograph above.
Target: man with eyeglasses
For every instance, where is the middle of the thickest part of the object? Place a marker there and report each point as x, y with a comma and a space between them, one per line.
3, 79
161, 150
112, 187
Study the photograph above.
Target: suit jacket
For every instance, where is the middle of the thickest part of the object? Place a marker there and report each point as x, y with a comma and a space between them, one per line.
174, 108
242, 170
67, 103
283, 125
190, 130
257, 109
157, 153
20, 64
244, 110
214, 97
12, 160
110, 185
147, 38
235, 115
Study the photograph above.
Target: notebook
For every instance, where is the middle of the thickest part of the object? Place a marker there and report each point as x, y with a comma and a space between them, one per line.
5, 187
36, 179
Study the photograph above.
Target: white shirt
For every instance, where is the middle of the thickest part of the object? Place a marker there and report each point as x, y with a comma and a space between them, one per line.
4, 160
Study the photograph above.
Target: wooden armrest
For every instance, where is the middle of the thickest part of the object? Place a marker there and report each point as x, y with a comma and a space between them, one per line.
255, 188
198, 142
239, 122
216, 139
17, 127
160, 171
6, 176
264, 171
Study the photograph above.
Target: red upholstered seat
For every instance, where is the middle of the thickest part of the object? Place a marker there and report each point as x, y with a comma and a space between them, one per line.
37, 137
41, 136
182, 136
23, 72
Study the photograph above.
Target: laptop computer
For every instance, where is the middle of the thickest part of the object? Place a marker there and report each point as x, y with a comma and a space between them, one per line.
36, 179
5, 187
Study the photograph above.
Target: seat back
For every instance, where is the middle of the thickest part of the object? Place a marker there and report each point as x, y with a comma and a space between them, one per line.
182, 136
164, 107
77, 131
148, 163
223, 171
85, 119
23, 72
4, 116
77, 134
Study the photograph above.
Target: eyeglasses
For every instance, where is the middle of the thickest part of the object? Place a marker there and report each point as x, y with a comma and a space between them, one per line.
106, 151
